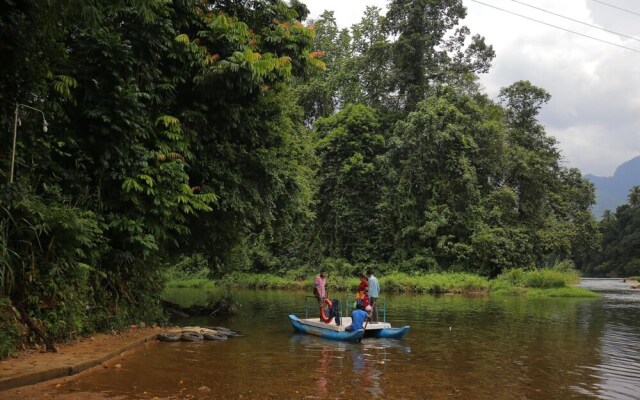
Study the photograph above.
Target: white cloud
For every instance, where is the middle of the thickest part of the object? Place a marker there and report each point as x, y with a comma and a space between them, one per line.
595, 107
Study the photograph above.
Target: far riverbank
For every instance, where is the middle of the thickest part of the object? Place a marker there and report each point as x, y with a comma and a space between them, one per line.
516, 282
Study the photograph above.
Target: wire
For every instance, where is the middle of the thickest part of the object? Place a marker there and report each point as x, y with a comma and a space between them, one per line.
619, 8
575, 20
557, 27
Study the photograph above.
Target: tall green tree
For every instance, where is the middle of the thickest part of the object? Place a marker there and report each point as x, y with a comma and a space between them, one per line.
348, 220
634, 196
620, 255
160, 113
371, 62
424, 55
252, 149
471, 186
552, 201
318, 95
439, 175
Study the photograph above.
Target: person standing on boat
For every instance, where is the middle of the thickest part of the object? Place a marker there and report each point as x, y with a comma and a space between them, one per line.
319, 287
374, 293
362, 296
358, 317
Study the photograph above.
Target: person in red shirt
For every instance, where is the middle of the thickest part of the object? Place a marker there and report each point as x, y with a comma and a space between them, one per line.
364, 283
363, 292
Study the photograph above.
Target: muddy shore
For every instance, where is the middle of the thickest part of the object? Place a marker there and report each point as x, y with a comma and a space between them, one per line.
36, 375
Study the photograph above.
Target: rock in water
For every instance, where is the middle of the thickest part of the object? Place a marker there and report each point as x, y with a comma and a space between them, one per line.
191, 337
168, 337
214, 336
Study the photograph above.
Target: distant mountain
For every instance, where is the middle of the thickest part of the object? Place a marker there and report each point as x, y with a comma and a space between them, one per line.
612, 191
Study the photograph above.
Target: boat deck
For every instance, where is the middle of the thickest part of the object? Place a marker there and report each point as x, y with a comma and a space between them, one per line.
346, 321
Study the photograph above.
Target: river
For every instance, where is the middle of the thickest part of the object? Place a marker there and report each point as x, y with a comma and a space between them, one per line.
478, 347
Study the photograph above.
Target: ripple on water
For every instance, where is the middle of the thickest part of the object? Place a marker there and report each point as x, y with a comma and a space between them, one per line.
617, 375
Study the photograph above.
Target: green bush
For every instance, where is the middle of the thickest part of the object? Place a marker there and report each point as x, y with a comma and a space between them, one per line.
191, 283
9, 333
56, 265
270, 281
420, 264
138, 301
337, 266
505, 288
513, 282
260, 281
393, 283
458, 282
549, 282
544, 279
48, 246
540, 278
190, 267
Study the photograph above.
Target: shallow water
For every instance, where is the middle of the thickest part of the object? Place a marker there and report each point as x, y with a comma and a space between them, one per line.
458, 347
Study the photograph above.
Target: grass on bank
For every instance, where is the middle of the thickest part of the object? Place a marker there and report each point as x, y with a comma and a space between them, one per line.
569, 291
394, 283
551, 282
516, 282
197, 283
435, 283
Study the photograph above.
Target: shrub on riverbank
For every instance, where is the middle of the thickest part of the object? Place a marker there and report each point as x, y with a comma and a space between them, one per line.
551, 282
540, 278
394, 283
58, 276
434, 283
9, 333
289, 282
194, 267
504, 287
548, 282
192, 283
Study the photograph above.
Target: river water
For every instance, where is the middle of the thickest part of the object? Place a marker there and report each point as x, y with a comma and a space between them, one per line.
479, 347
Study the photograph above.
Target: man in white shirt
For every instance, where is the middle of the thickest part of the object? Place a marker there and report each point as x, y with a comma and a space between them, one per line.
374, 293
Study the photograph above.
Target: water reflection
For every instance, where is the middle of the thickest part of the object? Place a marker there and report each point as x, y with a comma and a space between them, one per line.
617, 320
346, 368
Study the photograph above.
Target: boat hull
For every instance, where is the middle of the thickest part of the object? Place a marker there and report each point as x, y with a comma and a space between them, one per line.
388, 333
326, 333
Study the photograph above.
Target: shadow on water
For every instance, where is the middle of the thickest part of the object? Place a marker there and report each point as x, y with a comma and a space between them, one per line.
459, 347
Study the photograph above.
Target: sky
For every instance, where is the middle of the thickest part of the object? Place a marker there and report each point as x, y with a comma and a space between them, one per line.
594, 111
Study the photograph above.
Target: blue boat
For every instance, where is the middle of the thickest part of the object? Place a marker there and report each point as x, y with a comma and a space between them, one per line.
332, 330
325, 330
386, 333
313, 326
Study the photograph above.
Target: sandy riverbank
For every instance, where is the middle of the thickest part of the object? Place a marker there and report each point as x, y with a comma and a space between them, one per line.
35, 375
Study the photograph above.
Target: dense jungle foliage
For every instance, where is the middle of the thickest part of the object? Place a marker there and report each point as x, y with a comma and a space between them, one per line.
620, 256
239, 135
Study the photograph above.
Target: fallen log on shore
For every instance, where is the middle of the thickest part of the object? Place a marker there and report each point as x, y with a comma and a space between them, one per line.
223, 306
179, 311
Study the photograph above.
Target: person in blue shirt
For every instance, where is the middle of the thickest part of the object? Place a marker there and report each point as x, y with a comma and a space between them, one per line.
374, 293
358, 317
